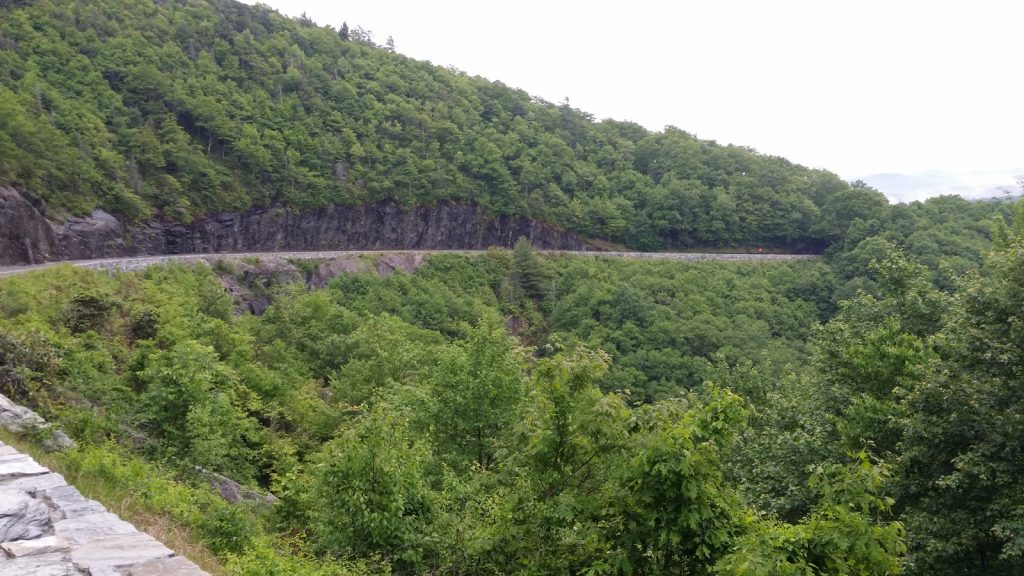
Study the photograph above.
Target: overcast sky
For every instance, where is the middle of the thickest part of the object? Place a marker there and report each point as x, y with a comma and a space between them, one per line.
859, 88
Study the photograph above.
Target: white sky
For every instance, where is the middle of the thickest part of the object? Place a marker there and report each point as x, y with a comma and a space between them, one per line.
854, 87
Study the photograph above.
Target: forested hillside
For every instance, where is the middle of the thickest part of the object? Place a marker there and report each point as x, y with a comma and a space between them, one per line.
178, 109
406, 431
506, 413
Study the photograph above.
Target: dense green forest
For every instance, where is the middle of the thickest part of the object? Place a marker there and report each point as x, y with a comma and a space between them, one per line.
178, 109
510, 413
504, 412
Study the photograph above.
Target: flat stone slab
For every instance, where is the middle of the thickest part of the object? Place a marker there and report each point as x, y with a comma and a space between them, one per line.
46, 545
36, 483
84, 529
15, 465
175, 566
70, 503
57, 564
118, 552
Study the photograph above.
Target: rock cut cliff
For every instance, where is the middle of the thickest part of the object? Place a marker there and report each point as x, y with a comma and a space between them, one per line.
28, 237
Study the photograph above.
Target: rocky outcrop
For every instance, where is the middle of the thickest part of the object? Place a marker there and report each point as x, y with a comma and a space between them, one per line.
349, 264
232, 491
49, 528
388, 264
384, 265
27, 237
84, 238
21, 420
250, 283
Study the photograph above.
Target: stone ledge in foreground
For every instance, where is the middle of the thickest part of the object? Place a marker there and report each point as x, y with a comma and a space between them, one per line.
48, 528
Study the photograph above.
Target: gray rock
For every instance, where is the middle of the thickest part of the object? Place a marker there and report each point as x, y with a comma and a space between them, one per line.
250, 284
388, 264
30, 238
56, 564
174, 566
84, 529
118, 553
45, 545
97, 233
324, 273
33, 484
22, 517
232, 491
69, 502
26, 237
21, 420
19, 465
56, 440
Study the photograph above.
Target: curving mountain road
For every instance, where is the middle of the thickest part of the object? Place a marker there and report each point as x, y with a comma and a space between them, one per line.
140, 262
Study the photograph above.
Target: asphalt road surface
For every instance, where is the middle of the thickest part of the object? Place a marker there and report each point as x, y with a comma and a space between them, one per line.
140, 262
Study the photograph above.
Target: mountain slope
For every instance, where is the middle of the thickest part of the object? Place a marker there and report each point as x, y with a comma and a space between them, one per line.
180, 109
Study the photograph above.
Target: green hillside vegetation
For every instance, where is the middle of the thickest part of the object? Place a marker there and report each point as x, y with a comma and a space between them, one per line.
405, 430
649, 417
505, 412
180, 109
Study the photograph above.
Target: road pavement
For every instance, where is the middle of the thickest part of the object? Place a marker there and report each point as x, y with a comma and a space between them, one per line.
140, 262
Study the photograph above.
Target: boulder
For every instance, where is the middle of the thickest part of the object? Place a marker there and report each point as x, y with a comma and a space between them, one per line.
21, 420
232, 491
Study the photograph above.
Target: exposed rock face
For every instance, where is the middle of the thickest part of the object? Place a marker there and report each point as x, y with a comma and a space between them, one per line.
388, 264
27, 237
323, 273
82, 238
384, 225
232, 491
250, 284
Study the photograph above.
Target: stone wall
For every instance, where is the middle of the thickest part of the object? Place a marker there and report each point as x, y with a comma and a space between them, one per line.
48, 528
